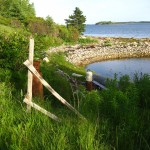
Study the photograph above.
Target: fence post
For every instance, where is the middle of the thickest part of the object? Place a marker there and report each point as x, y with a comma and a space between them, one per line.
30, 76
37, 86
89, 79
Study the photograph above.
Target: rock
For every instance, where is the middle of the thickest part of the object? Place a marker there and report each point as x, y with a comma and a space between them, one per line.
85, 54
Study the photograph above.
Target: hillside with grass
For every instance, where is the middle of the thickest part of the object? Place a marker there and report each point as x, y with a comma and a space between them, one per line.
117, 118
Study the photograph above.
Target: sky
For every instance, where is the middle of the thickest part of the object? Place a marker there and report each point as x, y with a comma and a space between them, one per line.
94, 10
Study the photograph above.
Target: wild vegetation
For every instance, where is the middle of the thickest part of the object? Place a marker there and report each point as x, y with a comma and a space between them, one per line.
117, 118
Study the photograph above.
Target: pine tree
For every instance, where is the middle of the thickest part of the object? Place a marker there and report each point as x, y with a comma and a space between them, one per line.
76, 20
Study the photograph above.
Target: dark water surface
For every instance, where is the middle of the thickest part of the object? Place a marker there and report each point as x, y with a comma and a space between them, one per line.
136, 30
121, 67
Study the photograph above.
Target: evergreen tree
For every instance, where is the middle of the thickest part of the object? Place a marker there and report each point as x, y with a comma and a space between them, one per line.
76, 20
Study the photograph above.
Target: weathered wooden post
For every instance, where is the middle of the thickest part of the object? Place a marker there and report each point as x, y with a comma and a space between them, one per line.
30, 76
89, 79
37, 86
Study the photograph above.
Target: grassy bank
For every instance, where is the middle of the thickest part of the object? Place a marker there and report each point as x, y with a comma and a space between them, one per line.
116, 119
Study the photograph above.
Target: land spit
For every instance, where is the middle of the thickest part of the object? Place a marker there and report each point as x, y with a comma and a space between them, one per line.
105, 49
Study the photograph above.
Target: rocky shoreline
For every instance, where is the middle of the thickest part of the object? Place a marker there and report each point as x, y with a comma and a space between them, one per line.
105, 49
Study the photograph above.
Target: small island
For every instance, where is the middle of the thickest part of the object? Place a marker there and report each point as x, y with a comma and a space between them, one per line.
110, 22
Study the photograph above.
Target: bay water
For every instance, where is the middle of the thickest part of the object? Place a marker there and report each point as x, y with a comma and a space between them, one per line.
129, 30
121, 67
124, 66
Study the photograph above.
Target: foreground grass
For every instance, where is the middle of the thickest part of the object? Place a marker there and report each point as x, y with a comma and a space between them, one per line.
116, 119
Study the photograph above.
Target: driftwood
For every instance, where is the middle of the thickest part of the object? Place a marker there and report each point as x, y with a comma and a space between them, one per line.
33, 70
31, 104
99, 85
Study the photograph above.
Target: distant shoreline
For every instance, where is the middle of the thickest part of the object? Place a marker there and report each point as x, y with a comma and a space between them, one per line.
110, 22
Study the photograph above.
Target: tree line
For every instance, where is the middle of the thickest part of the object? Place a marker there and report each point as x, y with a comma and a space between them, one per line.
24, 12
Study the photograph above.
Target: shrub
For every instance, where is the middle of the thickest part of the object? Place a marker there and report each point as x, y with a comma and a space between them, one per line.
4, 21
37, 26
143, 85
74, 34
63, 33
13, 51
70, 34
43, 42
16, 23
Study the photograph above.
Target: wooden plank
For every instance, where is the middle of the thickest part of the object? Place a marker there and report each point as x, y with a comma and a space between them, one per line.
33, 70
30, 76
100, 85
31, 104
77, 75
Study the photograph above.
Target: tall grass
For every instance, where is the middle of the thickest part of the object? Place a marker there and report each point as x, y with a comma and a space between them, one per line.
117, 118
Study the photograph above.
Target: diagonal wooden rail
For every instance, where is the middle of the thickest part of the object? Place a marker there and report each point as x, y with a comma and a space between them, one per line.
31, 104
33, 70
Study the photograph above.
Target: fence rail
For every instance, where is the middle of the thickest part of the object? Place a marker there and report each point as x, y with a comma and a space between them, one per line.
31, 104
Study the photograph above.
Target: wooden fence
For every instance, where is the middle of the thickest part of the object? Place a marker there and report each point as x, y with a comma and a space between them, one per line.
28, 99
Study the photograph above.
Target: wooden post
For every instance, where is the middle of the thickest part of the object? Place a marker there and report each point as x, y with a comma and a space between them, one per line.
30, 76
89, 78
37, 86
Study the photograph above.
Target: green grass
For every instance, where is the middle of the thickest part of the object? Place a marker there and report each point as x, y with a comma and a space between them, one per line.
115, 119
107, 43
87, 40
9, 30
6, 29
20, 130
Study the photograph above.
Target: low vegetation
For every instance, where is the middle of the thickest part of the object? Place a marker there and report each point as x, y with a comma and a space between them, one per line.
117, 118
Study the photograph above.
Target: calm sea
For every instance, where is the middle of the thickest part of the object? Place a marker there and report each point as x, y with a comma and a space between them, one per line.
137, 30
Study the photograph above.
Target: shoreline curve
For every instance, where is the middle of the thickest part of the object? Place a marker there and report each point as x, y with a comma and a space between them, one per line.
106, 49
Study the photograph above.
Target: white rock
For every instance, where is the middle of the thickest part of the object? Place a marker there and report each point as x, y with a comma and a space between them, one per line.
46, 59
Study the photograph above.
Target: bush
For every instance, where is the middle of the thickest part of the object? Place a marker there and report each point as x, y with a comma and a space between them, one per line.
16, 23
42, 43
37, 26
143, 85
74, 34
4, 21
68, 34
13, 51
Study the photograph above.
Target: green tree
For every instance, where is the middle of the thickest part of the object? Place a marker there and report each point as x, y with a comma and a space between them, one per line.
76, 20
20, 9
53, 30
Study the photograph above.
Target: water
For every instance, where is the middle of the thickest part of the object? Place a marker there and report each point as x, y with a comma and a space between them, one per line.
136, 30
121, 67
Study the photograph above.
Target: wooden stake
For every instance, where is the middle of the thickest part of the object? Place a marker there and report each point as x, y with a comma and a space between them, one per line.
30, 76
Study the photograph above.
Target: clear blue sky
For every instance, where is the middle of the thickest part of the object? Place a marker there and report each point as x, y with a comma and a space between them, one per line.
94, 10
